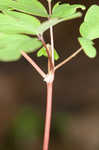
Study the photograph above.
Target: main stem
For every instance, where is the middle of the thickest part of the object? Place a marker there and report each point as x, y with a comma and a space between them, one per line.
48, 116
51, 33
49, 89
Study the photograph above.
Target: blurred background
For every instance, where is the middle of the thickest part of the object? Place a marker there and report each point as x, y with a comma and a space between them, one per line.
75, 118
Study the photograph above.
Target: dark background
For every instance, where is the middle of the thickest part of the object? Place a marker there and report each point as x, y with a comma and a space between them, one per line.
75, 116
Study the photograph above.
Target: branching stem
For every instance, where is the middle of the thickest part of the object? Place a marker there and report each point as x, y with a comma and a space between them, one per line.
51, 33
33, 63
68, 59
49, 78
47, 50
52, 44
49, 82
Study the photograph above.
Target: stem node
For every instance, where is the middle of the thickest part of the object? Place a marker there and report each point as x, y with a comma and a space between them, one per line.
49, 78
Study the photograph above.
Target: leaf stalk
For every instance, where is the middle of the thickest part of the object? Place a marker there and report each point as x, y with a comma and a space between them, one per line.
47, 50
33, 63
67, 59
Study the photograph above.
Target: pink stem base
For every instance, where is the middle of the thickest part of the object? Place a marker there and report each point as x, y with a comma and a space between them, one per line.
48, 116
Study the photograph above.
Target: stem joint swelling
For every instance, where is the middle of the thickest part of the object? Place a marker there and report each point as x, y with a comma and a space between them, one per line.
49, 78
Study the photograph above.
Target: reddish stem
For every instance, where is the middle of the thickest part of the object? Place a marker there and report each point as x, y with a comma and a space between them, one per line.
33, 63
48, 116
47, 50
68, 59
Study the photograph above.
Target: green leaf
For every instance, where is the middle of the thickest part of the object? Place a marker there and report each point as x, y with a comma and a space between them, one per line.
55, 6
90, 27
5, 4
15, 22
33, 7
60, 13
88, 47
52, 22
92, 12
11, 46
42, 52
65, 10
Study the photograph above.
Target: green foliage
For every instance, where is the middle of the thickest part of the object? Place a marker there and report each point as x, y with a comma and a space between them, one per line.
54, 21
16, 22
89, 30
42, 52
46, 25
11, 46
5, 4
88, 47
60, 13
90, 27
65, 10
33, 7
